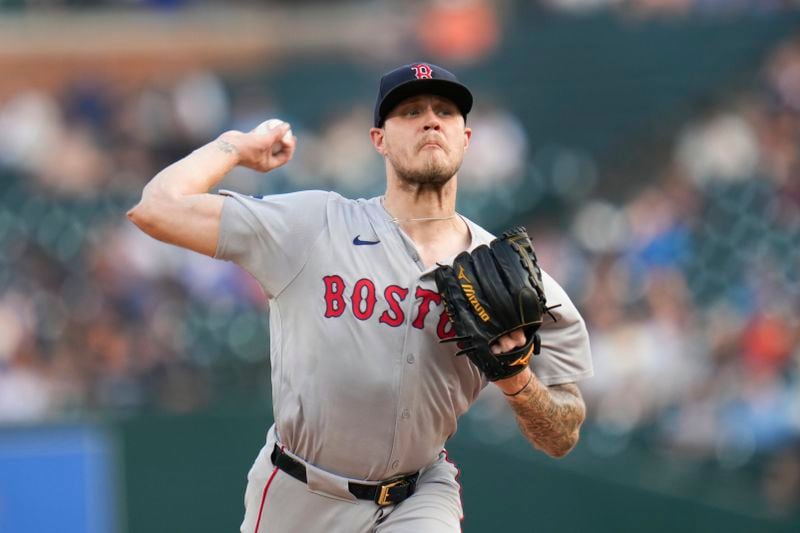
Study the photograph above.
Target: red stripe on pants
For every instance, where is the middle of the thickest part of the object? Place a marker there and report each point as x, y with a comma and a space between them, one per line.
264, 497
458, 475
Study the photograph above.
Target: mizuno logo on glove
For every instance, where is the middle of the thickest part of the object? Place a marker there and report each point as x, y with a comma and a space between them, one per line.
469, 292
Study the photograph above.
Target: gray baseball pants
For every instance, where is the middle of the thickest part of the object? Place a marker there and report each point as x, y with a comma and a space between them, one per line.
275, 502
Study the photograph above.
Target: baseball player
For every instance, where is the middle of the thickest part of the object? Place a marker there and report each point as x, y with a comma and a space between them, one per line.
365, 394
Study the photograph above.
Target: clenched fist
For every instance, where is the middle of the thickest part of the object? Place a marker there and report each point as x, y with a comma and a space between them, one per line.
260, 151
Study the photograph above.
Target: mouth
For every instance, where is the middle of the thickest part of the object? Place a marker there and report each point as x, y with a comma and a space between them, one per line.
430, 144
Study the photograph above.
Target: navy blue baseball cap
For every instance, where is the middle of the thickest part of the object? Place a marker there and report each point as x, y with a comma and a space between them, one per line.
419, 78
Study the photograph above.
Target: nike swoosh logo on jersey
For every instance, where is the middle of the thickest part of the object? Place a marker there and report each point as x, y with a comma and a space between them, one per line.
358, 242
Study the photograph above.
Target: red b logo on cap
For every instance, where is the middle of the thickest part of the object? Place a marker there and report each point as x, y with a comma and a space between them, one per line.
422, 71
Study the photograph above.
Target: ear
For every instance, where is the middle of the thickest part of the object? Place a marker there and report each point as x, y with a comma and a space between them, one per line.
378, 138
467, 137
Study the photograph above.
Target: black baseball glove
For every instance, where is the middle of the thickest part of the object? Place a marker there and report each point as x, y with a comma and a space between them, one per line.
491, 292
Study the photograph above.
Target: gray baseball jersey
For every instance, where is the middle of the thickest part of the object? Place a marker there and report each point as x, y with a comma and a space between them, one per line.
362, 386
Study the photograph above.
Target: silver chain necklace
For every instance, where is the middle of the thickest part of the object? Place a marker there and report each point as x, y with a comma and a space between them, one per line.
396, 220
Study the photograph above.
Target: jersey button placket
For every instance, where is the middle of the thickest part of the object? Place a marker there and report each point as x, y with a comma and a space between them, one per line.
410, 358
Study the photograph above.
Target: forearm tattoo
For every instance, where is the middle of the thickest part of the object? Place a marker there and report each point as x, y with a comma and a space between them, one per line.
550, 417
226, 147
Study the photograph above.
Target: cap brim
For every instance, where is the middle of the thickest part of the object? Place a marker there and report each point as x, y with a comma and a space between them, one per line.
451, 90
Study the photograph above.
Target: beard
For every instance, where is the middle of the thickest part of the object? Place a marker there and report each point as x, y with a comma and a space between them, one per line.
434, 172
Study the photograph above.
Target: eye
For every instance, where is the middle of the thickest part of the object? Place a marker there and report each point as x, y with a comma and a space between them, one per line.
412, 112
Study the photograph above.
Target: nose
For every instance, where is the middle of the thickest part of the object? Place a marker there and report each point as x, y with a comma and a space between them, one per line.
431, 120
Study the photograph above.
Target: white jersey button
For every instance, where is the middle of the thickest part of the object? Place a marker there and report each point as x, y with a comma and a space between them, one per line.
395, 465
405, 414
410, 359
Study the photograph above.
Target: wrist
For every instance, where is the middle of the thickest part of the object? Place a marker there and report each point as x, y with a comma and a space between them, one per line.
516, 383
228, 145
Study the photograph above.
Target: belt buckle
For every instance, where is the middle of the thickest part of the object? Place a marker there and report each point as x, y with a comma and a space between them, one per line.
383, 496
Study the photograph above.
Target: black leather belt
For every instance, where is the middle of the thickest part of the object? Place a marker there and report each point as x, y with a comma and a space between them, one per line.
387, 492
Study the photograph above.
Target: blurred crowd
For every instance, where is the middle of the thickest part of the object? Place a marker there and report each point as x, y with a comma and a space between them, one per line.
690, 286
691, 289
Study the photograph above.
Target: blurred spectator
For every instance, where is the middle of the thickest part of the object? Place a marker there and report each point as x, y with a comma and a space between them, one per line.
721, 148
498, 150
345, 156
201, 106
458, 30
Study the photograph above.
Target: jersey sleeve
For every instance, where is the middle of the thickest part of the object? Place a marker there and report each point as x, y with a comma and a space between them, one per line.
565, 356
271, 237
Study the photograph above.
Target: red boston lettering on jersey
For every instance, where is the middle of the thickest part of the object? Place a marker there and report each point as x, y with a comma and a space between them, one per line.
425, 305
334, 296
359, 298
422, 71
394, 295
445, 328
364, 300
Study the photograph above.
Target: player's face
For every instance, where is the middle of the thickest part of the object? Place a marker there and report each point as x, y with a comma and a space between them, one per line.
424, 139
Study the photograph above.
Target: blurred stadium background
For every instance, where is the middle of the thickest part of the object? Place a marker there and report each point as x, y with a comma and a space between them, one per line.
653, 147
